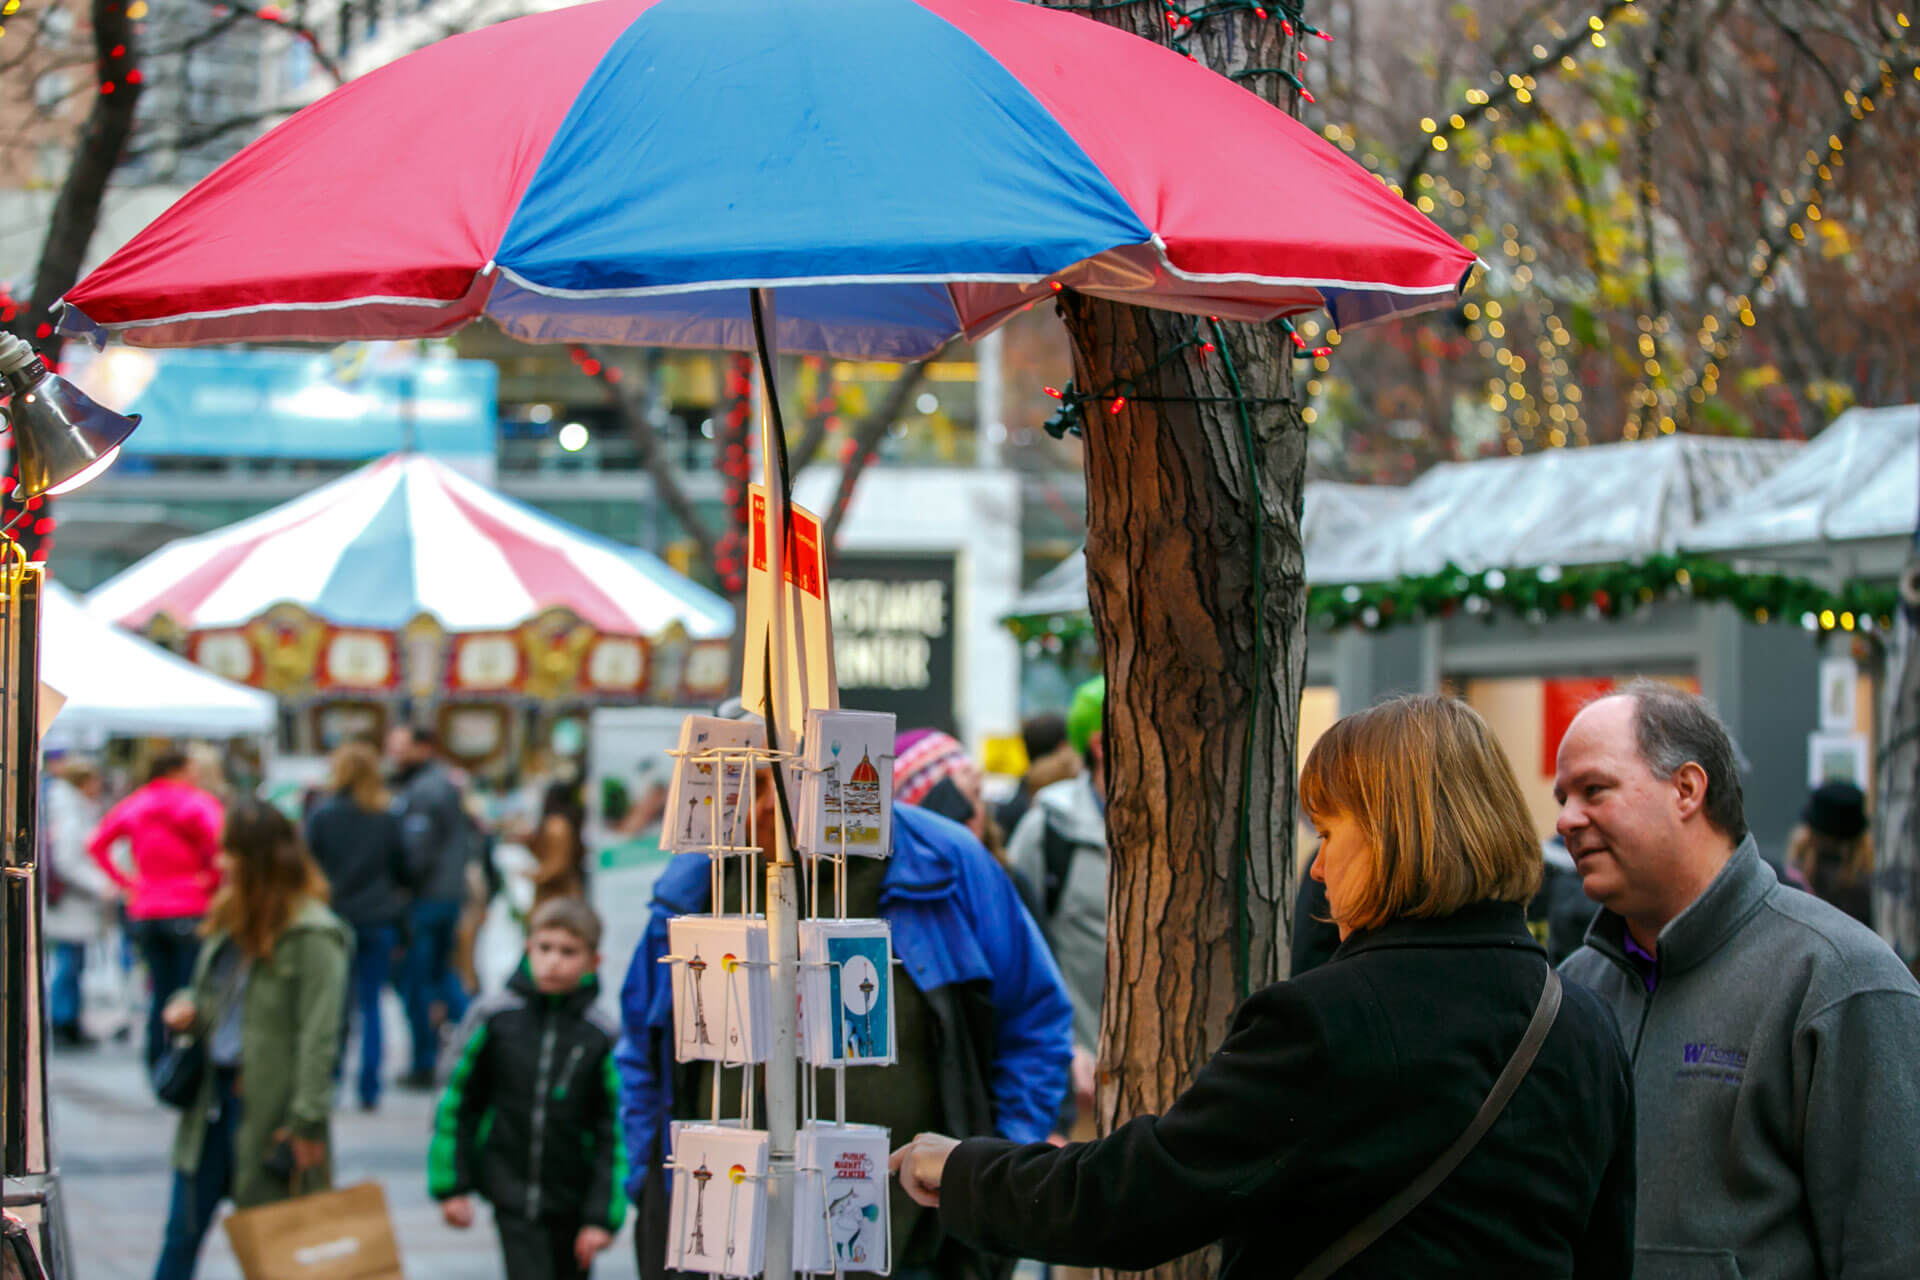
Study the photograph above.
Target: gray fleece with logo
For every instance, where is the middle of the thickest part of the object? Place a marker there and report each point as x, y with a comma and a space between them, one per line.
1776, 1068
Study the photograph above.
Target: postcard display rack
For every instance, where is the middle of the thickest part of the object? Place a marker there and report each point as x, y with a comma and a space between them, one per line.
726, 970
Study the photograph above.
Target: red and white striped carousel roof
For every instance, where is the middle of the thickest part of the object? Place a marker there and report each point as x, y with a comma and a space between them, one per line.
404, 536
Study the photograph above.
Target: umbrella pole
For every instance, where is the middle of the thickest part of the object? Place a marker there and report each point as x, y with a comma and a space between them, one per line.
783, 928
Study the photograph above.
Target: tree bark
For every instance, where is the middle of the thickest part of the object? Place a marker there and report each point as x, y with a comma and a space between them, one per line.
1171, 490
1197, 911
76, 214
1896, 835
102, 141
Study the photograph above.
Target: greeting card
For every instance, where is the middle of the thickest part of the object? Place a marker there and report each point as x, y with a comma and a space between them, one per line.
709, 799
718, 1208
722, 992
846, 797
846, 993
840, 1218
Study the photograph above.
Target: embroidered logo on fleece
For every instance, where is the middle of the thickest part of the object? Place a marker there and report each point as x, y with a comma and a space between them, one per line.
1703, 1060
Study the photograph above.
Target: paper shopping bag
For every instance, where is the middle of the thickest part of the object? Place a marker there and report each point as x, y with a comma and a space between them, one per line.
332, 1235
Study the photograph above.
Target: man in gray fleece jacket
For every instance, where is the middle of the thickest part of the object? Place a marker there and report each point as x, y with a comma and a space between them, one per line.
1775, 1041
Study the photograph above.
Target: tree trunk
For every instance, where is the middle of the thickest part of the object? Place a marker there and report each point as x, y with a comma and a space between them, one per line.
1896, 836
76, 214
1170, 496
1200, 829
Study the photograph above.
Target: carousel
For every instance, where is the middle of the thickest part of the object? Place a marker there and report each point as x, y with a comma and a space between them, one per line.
408, 591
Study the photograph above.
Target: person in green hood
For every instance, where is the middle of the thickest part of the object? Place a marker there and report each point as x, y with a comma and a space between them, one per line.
265, 999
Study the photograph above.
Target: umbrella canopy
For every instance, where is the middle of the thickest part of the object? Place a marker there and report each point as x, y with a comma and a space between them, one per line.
117, 684
899, 171
401, 537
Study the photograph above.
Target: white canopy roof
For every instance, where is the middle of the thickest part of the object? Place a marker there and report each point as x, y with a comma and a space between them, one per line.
1859, 478
1564, 506
115, 683
1598, 505
1331, 514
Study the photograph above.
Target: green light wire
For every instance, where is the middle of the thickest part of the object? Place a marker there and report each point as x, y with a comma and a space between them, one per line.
1243, 920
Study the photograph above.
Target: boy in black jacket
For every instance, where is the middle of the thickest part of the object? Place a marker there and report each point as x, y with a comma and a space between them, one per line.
529, 1117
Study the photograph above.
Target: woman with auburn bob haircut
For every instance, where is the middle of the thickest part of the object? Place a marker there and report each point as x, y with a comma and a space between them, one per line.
1418, 815
1430, 1102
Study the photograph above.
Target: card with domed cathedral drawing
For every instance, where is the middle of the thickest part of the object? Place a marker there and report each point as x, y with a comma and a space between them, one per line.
846, 797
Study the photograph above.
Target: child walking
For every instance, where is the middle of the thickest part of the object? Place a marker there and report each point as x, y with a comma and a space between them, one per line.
529, 1119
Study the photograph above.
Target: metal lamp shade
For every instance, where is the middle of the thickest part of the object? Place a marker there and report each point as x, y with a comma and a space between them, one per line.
61, 437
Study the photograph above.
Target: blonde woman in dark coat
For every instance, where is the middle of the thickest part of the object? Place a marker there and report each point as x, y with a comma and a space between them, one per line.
1334, 1091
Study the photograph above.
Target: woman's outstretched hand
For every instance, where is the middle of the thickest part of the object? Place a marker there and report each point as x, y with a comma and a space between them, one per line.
920, 1165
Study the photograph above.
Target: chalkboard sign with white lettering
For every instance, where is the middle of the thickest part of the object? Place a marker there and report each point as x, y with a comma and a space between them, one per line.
893, 636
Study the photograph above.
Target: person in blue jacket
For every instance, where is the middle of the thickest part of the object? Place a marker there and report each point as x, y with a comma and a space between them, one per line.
983, 1027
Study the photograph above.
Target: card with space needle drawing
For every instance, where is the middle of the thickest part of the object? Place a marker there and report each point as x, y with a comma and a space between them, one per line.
707, 800
722, 991
846, 1000
718, 1207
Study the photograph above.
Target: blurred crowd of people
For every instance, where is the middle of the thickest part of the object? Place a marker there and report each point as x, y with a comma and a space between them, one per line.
263, 943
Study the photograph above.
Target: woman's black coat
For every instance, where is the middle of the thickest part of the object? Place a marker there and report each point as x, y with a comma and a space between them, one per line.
364, 858
1331, 1093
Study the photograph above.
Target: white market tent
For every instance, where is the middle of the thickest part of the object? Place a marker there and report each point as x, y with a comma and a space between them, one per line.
1331, 515
1847, 502
117, 684
1598, 505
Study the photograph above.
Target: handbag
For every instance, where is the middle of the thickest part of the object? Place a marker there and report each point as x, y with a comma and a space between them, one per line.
1382, 1220
183, 1065
178, 1073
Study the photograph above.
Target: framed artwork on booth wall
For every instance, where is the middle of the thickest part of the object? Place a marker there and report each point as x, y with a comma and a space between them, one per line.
1837, 757
1839, 685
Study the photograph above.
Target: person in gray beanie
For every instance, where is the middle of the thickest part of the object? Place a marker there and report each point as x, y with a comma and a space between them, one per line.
1774, 1039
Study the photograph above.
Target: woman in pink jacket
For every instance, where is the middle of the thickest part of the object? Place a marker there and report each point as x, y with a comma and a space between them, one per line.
174, 830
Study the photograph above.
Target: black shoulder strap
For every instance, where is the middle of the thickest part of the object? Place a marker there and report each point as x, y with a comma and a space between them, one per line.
1382, 1220
1057, 849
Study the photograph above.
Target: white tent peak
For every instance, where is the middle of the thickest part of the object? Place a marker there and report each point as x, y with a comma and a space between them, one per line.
116, 683
1596, 505
1857, 479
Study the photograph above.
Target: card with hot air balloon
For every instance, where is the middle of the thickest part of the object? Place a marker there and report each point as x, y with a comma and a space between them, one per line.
718, 1207
846, 800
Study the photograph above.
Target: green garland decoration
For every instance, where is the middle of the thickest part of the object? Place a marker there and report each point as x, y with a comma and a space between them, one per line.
1537, 594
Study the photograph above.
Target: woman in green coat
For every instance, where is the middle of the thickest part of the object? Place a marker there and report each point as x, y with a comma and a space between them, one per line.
267, 991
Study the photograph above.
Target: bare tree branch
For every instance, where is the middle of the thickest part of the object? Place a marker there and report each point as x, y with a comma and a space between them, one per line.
633, 416
1780, 240
866, 438
274, 16
1504, 93
209, 133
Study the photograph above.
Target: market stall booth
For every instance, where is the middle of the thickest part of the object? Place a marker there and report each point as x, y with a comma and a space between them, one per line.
109, 683
406, 589
1529, 585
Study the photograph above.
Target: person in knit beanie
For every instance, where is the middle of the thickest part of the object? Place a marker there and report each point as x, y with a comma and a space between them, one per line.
931, 770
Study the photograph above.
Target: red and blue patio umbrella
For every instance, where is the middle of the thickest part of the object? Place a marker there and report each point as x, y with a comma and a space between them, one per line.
896, 171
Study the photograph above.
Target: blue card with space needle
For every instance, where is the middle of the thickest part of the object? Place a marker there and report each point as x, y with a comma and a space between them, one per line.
847, 1000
